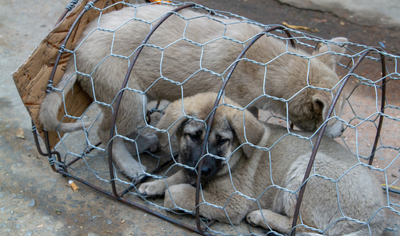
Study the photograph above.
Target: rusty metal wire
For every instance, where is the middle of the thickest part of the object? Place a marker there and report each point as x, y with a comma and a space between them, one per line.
124, 85
122, 189
217, 100
316, 146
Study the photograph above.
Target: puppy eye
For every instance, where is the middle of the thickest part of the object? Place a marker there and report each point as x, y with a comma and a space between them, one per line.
222, 142
193, 137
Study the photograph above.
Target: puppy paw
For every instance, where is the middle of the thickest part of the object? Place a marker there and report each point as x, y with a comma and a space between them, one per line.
254, 218
155, 147
151, 143
155, 188
132, 169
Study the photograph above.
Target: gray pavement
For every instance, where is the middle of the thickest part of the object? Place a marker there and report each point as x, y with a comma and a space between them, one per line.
364, 12
36, 201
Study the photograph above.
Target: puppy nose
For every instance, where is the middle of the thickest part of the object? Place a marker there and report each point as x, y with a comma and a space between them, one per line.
341, 131
205, 170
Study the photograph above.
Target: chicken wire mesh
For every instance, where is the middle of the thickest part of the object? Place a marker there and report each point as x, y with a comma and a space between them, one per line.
81, 155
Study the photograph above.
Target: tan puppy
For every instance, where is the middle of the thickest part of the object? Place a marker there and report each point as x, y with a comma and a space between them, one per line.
207, 46
263, 175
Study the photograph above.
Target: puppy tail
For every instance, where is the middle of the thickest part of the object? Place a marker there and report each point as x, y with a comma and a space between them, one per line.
52, 102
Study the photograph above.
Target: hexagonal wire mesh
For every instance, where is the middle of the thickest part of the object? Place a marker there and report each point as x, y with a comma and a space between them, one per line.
80, 156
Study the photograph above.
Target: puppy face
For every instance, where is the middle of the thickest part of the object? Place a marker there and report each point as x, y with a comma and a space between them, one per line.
310, 115
231, 128
191, 136
309, 109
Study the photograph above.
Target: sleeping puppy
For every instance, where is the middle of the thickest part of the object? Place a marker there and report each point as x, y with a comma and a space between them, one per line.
269, 177
106, 46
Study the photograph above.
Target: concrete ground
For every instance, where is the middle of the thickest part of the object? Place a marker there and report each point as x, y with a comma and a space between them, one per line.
363, 12
36, 201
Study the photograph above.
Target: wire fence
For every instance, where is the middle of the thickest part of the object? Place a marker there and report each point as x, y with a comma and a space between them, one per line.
193, 41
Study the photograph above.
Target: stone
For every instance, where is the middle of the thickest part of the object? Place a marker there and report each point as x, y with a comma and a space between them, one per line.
28, 233
18, 196
27, 147
31, 203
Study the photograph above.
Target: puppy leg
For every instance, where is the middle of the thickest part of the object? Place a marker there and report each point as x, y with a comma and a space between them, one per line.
158, 187
229, 208
274, 221
130, 117
125, 161
145, 142
121, 156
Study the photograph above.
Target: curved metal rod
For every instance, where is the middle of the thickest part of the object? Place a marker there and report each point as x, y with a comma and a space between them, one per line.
62, 16
35, 137
85, 9
383, 99
53, 72
47, 144
68, 8
318, 141
211, 118
133, 204
119, 98
199, 230
50, 153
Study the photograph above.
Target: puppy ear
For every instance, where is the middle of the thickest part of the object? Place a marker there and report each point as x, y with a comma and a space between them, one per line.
331, 59
172, 119
321, 104
322, 101
247, 129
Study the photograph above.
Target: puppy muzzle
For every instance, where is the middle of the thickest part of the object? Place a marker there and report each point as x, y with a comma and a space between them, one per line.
209, 168
334, 130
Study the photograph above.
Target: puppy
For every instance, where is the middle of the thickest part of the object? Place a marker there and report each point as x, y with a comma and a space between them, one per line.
180, 64
269, 178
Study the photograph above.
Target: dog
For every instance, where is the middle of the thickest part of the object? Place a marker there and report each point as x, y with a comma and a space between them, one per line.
269, 176
102, 58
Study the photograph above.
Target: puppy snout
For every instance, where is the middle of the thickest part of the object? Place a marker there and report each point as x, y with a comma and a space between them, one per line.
334, 130
205, 171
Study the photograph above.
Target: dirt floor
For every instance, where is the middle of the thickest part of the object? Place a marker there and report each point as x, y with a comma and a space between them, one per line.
36, 201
